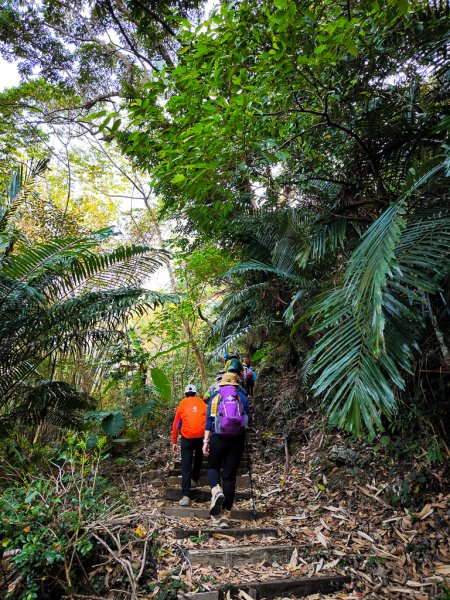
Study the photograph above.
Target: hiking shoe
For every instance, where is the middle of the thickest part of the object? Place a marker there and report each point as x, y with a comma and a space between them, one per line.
224, 521
217, 500
194, 484
185, 501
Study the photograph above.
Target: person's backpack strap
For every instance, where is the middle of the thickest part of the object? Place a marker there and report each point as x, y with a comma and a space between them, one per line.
214, 403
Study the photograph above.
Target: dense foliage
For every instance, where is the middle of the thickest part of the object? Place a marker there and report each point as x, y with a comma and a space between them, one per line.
307, 142
313, 138
290, 162
59, 297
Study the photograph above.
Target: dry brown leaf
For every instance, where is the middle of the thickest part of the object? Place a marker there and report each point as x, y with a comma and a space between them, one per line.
322, 539
366, 536
244, 595
417, 584
424, 512
222, 536
293, 560
443, 569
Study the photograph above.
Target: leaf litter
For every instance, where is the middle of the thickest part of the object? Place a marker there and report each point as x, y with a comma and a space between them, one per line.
350, 527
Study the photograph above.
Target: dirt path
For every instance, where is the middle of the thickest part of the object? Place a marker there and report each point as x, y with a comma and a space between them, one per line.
324, 524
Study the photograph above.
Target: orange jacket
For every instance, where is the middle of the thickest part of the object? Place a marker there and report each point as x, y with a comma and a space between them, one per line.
190, 418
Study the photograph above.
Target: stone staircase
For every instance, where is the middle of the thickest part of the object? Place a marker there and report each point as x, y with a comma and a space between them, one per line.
250, 543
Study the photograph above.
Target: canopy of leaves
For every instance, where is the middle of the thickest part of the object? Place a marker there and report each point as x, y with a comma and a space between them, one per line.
313, 137
290, 102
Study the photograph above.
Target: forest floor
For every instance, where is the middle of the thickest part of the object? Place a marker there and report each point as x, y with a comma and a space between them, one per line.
347, 507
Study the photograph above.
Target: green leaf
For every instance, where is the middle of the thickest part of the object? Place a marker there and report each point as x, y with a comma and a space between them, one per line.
143, 410
169, 350
161, 383
259, 354
179, 178
113, 423
402, 6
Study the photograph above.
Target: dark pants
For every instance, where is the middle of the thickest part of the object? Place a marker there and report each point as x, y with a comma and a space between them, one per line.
225, 453
249, 386
191, 462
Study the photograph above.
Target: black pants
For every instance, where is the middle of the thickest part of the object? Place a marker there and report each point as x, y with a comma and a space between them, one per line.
191, 462
249, 386
225, 453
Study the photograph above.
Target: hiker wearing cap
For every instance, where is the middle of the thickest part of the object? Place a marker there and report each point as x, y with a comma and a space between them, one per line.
214, 387
228, 416
190, 421
233, 364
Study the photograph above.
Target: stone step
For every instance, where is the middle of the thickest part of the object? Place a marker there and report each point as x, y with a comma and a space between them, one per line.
189, 512
236, 533
276, 588
241, 555
200, 495
241, 481
177, 471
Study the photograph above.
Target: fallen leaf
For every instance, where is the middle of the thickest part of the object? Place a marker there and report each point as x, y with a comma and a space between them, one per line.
140, 531
293, 561
443, 569
244, 595
366, 537
322, 539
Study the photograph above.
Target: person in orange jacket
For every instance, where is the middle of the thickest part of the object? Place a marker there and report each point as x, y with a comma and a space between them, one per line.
189, 420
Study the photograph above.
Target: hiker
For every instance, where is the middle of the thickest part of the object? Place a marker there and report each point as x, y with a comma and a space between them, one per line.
213, 388
227, 419
234, 365
249, 378
190, 420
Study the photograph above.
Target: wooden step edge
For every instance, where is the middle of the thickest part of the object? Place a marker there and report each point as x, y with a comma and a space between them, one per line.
186, 512
239, 532
272, 588
240, 480
300, 586
177, 463
200, 495
203, 472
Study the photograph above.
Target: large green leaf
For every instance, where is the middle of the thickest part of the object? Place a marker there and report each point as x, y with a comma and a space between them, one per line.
169, 350
143, 410
113, 423
161, 383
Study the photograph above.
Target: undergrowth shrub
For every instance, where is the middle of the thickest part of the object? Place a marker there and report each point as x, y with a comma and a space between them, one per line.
46, 512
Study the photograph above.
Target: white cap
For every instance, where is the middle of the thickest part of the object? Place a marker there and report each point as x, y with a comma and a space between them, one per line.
190, 388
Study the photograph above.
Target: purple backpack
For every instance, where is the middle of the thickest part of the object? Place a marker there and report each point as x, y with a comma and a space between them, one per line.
230, 415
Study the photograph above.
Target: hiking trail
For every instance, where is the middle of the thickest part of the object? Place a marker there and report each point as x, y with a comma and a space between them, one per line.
257, 557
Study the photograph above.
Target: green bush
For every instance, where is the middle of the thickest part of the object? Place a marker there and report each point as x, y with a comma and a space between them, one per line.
45, 517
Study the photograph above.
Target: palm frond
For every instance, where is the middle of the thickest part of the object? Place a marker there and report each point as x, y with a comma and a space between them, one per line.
53, 402
61, 297
21, 187
371, 324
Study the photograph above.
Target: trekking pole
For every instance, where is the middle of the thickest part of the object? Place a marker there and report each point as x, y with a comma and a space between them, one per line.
255, 512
